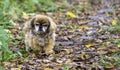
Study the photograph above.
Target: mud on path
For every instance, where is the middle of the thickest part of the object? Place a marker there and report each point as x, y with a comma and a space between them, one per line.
81, 42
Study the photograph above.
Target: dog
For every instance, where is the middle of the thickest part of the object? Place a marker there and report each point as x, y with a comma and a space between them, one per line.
40, 34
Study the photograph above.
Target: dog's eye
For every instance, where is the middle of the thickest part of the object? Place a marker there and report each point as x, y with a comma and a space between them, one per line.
37, 24
45, 25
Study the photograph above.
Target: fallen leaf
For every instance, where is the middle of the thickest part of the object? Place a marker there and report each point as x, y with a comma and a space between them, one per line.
84, 27
59, 61
101, 48
46, 61
8, 31
114, 22
6, 63
25, 15
99, 30
70, 14
15, 69
118, 44
68, 61
89, 45
107, 43
48, 69
67, 51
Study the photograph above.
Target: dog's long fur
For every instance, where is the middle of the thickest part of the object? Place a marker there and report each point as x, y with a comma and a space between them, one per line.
40, 41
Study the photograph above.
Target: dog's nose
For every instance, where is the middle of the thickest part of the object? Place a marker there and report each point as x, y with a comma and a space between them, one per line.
40, 28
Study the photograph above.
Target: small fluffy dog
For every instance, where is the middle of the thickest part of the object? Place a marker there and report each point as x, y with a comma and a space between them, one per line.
40, 34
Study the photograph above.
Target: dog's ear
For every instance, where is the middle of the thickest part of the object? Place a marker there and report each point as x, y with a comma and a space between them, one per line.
52, 25
28, 25
32, 23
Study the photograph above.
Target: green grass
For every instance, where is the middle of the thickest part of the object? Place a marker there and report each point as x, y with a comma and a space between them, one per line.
5, 53
1, 68
110, 60
117, 42
13, 9
115, 28
65, 67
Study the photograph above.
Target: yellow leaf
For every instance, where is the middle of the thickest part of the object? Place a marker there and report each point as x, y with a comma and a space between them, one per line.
118, 45
108, 43
89, 45
25, 15
84, 27
15, 69
70, 14
8, 31
114, 22
48, 69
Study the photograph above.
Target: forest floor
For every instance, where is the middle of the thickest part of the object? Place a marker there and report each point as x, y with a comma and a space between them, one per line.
86, 40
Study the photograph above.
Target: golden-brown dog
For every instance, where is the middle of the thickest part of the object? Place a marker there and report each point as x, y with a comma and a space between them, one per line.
40, 34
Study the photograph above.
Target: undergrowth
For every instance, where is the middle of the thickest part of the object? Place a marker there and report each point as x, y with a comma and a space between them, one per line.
5, 53
110, 60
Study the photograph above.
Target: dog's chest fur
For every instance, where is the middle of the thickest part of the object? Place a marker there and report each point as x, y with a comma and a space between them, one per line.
41, 41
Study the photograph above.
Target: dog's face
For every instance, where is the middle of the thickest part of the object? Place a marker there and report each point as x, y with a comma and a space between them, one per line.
42, 25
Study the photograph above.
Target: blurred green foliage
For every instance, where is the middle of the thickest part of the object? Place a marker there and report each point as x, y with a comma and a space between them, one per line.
65, 67
110, 60
13, 9
1, 68
5, 53
115, 28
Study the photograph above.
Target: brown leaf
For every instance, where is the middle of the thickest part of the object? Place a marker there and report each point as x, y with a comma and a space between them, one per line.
67, 51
